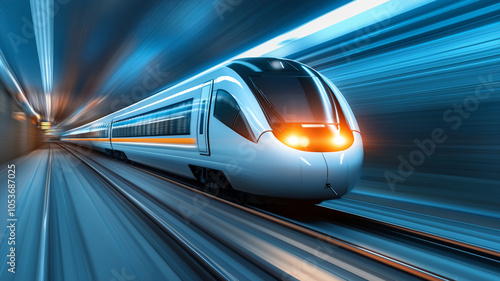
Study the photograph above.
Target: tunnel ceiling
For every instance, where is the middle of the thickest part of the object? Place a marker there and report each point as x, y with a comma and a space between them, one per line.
77, 60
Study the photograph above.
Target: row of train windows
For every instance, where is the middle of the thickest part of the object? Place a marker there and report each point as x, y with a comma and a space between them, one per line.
99, 133
170, 120
174, 119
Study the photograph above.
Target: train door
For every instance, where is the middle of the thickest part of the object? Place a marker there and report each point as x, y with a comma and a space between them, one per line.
203, 114
110, 132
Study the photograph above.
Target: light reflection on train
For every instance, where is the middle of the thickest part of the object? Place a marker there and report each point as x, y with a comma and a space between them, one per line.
262, 126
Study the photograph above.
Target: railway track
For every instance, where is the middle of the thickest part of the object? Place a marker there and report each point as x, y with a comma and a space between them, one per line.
325, 212
480, 252
277, 218
205, 261
43, 251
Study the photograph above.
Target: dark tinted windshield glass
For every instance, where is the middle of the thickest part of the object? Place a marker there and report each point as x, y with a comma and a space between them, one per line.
296, 99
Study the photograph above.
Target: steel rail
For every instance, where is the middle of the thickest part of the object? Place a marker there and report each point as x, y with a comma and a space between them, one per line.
214, 269
363, 251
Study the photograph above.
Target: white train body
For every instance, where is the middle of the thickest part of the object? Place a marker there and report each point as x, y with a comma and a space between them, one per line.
186, 130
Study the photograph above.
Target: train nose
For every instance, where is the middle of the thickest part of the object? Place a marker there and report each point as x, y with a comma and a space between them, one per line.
337, 172
314, 175
324, 174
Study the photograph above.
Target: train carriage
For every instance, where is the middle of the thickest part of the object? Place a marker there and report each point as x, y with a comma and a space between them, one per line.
264, 126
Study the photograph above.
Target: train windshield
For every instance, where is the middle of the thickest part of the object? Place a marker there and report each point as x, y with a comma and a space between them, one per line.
296, 99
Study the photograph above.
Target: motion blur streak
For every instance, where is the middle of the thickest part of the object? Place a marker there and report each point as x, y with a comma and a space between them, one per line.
434, 67
422, 78
348, 11
96, 234
43, 23
6, 75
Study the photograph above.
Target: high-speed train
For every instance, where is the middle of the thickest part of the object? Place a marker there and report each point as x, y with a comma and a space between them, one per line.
262, 126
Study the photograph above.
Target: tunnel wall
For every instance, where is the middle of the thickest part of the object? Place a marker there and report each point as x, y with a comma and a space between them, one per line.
18, 136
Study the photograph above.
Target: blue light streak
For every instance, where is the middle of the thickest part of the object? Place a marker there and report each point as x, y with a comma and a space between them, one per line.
43, 22
6, 70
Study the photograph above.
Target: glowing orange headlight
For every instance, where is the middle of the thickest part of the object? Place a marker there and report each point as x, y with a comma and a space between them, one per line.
292, 140
339, 140
295, 141
315, 137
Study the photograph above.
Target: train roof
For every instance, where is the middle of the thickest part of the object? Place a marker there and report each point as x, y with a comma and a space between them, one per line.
246, 67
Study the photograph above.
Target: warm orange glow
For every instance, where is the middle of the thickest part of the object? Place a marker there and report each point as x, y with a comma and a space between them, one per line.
295, 141
292, 140
157, 140
339, 140
304, 141
316, 137
45, 125
19, 116
313, 125
140, 140
85, 139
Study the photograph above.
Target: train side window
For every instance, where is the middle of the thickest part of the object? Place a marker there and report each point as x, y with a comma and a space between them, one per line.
202, 118
170, 120
226, 108
137, 126
154, 120
144, 122
241, 127
140, 121
229, 113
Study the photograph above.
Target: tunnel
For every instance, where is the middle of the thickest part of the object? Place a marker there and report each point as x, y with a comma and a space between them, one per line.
249, 140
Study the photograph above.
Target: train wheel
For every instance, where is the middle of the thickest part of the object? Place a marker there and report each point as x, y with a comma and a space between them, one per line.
212, 187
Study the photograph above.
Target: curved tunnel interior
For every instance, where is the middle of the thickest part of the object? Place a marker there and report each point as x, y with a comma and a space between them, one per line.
408, 128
